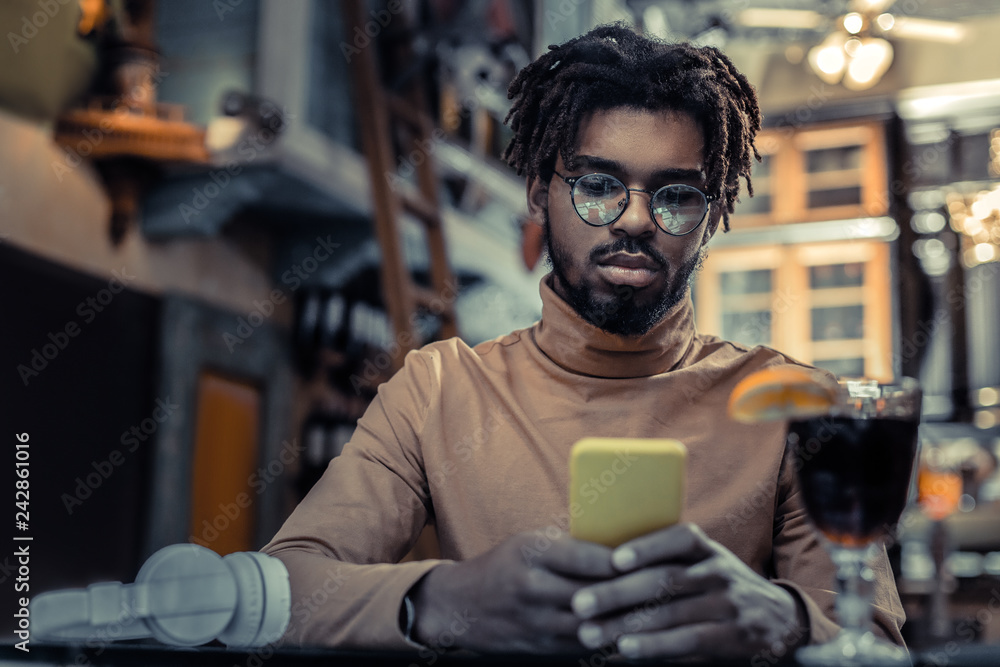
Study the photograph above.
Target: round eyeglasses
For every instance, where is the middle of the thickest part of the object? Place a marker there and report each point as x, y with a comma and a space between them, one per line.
600, 199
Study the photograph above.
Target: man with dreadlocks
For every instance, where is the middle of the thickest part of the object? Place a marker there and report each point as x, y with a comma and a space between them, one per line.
633, 150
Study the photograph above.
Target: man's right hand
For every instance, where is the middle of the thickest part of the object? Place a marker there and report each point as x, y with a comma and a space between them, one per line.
515, 597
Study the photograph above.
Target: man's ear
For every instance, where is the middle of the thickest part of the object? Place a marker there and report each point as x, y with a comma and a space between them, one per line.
538, 199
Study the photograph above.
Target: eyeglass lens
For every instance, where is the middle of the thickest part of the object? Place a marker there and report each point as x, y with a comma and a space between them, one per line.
600, 199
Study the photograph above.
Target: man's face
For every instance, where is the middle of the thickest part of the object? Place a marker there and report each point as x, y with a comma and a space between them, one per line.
625, 276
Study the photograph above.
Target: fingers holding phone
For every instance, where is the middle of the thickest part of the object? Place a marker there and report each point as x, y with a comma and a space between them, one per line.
681, 593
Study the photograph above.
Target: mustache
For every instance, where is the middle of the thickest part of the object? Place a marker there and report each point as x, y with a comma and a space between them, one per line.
630, 245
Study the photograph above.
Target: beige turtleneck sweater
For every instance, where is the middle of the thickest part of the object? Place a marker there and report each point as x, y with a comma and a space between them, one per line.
477, 440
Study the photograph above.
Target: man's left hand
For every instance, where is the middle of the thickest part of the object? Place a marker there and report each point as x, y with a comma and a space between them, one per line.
681, 593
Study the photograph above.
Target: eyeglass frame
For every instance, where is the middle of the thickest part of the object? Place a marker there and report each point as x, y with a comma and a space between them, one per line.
571, 182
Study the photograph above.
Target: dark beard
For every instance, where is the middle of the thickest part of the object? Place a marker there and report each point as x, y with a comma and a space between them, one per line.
622, 316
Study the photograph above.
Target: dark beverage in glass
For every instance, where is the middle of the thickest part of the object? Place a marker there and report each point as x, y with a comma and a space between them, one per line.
853, 462
854, 473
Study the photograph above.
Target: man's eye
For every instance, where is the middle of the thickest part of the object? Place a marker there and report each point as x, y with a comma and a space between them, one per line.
593, 189
596, 187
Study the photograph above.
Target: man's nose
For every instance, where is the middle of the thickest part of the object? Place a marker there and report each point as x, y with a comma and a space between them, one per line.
636, 219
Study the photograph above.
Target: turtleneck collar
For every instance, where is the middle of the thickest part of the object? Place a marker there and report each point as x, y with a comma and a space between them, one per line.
580, 347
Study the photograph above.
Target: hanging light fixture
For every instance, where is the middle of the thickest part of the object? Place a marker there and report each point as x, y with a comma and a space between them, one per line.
851, 55
864, 56
829, 58
868, 63
856, 53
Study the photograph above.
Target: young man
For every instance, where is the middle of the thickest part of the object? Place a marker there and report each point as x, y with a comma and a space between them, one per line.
632, 150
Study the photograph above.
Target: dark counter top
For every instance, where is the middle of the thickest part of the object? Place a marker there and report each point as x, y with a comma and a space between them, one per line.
954, 654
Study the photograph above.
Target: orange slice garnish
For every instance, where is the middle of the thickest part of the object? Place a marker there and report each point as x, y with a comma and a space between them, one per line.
782, 392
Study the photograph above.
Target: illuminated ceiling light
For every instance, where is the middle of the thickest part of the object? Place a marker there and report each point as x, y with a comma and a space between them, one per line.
986, 204
981, 208
984, 252
972, 226
989, 396
984, 419
927, 200
934, 256
928, 222
934, 248
992, 199
934, 222
852, 46
854, 22
870, 63
885, 21
828, 59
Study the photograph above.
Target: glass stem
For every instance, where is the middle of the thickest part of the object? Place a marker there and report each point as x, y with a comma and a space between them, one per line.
854, 580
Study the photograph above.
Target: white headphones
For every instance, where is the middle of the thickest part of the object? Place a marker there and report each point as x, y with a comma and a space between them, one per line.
184, 595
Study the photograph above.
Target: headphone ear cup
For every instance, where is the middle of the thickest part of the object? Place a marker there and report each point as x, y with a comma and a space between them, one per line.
264, 605
192, 594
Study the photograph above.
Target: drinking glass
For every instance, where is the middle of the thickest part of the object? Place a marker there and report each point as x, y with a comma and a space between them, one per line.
854, 466
940, 483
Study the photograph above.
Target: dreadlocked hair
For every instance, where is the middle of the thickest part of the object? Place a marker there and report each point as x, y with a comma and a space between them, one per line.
612, 67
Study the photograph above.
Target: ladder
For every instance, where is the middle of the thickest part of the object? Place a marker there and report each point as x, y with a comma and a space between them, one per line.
382, 115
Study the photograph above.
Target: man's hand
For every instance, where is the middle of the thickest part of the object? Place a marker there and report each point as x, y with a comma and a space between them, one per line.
682, 593
515, 597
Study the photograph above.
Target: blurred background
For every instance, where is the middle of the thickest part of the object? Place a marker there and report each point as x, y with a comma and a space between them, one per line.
223, 224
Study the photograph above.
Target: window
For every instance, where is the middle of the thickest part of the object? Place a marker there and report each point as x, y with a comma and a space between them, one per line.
827, 304
820, 173
746, 305
817, 291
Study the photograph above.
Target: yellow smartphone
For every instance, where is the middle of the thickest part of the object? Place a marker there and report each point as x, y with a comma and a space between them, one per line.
621, 488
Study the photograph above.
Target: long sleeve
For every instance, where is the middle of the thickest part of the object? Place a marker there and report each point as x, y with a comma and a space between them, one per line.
478, 440
803, 566
343, 542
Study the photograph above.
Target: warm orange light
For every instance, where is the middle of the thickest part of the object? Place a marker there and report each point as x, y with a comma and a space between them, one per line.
939, 492
93, 15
